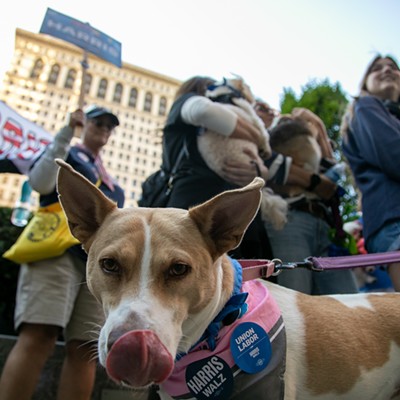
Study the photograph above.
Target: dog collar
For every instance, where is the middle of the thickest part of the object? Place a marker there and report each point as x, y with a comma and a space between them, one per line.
223, 92
234, 309
263, 311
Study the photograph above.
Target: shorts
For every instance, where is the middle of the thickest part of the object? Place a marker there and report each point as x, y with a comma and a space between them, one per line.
54, 292
386, 239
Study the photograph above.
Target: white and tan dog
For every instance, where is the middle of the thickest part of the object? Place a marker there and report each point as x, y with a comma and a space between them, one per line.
162, 275
216, 149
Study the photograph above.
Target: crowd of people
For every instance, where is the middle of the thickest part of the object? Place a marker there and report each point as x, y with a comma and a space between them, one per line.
370, 128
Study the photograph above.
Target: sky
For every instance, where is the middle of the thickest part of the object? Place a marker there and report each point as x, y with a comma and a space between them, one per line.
272, 44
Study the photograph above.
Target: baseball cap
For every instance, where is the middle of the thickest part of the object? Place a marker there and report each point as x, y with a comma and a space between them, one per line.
95, 111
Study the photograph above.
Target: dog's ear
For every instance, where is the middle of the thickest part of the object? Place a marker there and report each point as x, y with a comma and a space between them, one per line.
84, 204
223, 220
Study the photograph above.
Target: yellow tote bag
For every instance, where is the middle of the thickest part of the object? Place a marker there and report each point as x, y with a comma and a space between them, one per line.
47, 235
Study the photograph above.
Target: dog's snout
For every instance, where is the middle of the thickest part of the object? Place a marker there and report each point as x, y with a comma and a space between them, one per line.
113, 337
133, 322
115, 334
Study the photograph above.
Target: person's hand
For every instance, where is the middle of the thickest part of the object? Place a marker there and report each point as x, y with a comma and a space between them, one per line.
247, 131
242, 172
326, 189
317, 127
77, 118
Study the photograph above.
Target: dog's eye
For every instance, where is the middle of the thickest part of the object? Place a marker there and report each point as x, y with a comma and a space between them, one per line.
178, 270
110, 266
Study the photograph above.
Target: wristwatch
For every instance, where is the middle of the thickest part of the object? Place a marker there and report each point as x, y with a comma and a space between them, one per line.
315, 180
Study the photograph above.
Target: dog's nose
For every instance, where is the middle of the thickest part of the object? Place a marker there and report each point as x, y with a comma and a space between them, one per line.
134, 322
113, 337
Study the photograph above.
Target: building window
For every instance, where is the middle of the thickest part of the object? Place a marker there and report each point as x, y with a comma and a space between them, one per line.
37, 69
69, 82
162, 110
133, 98
117, 93
55, 71
101, 93
147, 102
88, 83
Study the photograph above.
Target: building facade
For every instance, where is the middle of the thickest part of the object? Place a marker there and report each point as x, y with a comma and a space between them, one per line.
43, 84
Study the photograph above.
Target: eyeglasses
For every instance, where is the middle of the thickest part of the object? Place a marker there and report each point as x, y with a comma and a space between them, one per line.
101, 124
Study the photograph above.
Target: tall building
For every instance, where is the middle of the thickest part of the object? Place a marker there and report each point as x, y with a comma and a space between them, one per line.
43, 84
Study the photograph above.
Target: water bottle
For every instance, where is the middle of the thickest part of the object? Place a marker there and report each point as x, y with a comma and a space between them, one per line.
22, 208
336, 172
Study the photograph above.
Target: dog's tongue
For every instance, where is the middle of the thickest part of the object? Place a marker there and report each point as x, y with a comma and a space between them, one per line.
138, 358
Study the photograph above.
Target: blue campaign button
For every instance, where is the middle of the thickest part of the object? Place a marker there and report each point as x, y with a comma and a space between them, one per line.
250, 347
209, 378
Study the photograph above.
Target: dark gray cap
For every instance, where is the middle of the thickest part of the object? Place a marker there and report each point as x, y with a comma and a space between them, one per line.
94, 111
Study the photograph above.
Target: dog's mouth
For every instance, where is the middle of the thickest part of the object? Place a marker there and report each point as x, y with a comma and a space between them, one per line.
138, 358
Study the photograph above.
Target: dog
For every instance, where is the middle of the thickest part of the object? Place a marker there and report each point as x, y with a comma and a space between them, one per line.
216, 149
293, 138
162, 276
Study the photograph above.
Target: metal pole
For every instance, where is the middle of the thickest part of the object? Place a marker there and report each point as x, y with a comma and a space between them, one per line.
85, 67
81, 99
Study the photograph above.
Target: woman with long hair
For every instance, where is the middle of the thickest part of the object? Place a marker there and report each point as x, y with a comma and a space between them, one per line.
371, 144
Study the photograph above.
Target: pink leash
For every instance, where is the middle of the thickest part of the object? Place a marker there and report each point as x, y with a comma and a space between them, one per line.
253, 269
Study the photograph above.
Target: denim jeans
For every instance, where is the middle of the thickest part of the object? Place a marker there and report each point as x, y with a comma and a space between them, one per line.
386, 239
303, 236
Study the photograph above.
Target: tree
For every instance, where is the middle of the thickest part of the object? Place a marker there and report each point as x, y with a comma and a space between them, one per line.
329, 102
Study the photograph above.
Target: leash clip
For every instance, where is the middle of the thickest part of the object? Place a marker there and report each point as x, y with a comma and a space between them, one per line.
312, 264
279, 266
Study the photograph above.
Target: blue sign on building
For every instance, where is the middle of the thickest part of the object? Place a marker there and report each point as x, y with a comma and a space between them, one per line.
82, 35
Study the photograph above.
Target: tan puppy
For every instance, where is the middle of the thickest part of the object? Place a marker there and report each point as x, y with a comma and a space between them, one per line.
216, 149
294, 138
162, 275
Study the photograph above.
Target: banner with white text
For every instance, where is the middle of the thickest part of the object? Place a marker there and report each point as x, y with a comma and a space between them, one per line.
82, 35
21, 141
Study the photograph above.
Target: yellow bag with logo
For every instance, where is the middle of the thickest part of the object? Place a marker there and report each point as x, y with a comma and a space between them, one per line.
47, 235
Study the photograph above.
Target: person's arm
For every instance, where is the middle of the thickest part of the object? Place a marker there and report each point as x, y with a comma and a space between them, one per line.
201, 111
282, 171
278, 171
43, 175
377, 134
322, 186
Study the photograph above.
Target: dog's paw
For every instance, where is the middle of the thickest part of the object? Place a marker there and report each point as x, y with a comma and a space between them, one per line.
274, 209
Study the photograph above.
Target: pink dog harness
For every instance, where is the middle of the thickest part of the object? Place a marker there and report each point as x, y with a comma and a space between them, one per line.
247, 358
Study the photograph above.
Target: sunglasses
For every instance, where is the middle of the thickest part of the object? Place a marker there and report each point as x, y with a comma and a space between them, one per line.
265, 110
103, 124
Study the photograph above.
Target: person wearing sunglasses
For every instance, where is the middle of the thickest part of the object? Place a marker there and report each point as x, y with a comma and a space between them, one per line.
52, 296
265, 112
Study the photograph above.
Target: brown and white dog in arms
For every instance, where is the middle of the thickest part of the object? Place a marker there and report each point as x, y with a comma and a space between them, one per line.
215, 149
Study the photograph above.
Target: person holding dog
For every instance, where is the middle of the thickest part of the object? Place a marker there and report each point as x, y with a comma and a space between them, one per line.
196, 182
371, 134
190, 114
52, 295
310, 218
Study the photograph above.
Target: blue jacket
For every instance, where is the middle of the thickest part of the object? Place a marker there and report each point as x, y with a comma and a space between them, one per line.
83, 162
372, 147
